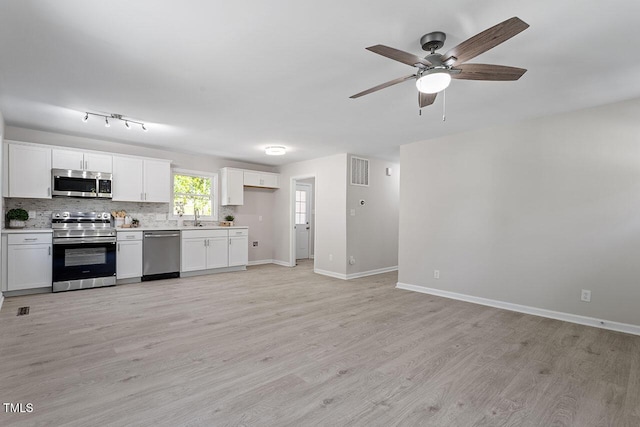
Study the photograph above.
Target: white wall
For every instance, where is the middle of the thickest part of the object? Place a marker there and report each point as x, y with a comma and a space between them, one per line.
530, 213
330, 201
372, 234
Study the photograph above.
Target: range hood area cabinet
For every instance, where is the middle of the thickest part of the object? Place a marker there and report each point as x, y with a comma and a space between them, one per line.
141, 180
233, 181
77, 160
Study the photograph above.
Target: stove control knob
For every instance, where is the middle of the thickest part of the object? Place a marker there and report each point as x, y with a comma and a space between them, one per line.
65, 214
57, 215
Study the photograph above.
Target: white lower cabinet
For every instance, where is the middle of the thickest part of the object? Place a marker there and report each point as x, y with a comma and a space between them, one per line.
211, 249
238, 247
29, 261
129, 255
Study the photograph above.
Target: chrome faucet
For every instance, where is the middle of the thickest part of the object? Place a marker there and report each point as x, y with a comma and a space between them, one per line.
196, 215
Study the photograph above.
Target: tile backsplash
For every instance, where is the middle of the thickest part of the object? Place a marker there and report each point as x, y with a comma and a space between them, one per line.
147, 213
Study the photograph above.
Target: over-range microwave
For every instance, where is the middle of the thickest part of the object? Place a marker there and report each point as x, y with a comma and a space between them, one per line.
72, 183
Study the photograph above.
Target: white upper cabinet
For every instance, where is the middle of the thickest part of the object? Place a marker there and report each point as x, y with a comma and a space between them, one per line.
231, 186
157, 181
127, 179
77, 160
141, 180
260, 179
29, 172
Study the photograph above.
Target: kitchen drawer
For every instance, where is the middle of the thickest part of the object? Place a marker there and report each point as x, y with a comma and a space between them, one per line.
203, 234
129, 235
238, 232
28, 239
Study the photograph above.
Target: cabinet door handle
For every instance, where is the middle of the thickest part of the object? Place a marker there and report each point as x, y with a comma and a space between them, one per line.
86, 164
31, 239
80, 164
130, 237
49, 250
49, 191
118, 247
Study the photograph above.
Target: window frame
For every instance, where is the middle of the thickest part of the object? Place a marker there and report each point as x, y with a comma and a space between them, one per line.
214, 194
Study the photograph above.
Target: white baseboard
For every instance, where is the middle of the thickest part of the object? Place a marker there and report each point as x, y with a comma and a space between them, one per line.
330, 274
1, 300
260, 262
372, 272
355, 275
558, 315
282, 263
312, 256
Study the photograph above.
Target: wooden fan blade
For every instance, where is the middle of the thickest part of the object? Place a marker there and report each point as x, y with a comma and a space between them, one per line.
425, 99
484, 41
488, 72
399, 55
383, 85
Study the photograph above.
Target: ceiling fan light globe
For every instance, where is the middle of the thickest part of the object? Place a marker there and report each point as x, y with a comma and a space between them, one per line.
433, 82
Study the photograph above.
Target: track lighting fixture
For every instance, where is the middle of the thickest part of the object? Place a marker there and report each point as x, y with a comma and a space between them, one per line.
114, 116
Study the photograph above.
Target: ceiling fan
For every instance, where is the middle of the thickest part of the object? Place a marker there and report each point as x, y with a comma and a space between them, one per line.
436, 70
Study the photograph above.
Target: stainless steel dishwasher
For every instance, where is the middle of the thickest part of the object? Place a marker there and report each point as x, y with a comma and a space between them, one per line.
161, 255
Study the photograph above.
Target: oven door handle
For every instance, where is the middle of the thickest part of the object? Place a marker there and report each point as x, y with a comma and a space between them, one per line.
73, 241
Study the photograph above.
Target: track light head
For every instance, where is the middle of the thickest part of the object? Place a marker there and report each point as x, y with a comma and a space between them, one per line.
144, 128
126, 124
86, 117
106, 122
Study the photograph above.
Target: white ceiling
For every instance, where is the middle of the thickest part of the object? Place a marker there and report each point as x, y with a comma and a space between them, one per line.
229, 78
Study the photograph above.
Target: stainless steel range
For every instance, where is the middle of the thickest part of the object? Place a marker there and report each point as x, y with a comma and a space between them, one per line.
84, 250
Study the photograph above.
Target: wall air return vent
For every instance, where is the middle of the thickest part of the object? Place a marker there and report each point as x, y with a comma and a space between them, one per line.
359, 171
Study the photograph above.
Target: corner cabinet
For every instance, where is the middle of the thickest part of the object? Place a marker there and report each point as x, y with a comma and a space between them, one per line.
28, 172
141, 180
231, 186
210, 251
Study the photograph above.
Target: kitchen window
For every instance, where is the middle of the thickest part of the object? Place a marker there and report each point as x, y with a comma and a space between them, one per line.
195, 190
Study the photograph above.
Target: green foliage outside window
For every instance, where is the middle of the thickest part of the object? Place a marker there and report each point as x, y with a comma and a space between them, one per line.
191, 192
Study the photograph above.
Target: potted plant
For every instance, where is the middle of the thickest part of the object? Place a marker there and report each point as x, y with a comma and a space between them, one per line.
228, 221
17, 217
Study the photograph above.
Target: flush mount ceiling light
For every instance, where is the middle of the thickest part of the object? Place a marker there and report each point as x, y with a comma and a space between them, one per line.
433, 81
275, 150
85, 118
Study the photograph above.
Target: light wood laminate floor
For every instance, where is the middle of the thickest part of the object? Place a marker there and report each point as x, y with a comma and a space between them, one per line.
278, 346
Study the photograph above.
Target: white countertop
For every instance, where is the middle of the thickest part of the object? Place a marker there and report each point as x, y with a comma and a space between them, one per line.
208, 227
26, 230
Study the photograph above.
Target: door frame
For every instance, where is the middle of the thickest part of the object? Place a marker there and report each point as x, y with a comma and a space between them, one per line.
309, 212
292, 215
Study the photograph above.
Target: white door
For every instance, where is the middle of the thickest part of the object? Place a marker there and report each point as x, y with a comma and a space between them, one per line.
193, 255
29, 266
129, 259
67, 159
238, 250
98, 162
302, 211
29, 171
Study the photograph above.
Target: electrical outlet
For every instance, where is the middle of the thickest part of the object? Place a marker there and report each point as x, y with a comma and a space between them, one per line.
353, 212
585, 295
255, 244
352, 260
259, 217
436, 274
330, 257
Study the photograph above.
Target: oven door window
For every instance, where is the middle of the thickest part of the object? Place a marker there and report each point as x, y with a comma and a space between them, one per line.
83, 261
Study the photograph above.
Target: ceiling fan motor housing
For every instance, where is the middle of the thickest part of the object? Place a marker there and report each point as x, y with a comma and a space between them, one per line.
433, 41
